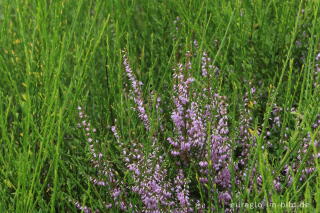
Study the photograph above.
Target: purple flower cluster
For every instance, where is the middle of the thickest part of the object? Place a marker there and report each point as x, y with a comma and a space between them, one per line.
220, 151
151, 181
207, 67
89, 135
199, 118
182, 192
137, 93
107, 174
181, 144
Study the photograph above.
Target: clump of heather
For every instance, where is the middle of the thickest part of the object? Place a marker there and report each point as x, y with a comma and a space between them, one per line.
195, 154
200, 139
201, 130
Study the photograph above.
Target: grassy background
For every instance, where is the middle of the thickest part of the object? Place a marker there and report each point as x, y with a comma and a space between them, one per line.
56, 55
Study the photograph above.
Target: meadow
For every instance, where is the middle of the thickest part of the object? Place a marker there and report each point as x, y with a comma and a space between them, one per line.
159, 106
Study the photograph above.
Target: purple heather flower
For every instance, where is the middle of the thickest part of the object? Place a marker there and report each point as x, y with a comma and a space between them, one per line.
203, 180
203, 163
224, 197
224, 178
277, 185
253, 90
116, 192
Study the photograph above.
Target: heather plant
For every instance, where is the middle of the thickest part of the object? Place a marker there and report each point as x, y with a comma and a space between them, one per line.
199, 143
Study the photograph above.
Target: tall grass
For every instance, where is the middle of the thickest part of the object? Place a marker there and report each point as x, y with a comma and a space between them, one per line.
56, 55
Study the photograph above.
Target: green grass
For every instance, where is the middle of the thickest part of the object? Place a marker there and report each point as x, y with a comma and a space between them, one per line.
56, 55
